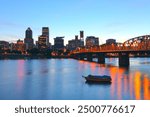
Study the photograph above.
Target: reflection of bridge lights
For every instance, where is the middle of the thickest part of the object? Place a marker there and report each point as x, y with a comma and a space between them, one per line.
146, 89
137, 85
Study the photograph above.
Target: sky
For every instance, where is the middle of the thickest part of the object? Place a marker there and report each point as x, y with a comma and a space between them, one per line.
117, 19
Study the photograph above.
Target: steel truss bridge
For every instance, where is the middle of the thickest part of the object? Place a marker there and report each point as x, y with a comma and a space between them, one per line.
138, 45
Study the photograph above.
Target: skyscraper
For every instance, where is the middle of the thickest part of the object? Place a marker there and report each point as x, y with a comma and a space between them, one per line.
59, 43
82, 35
42, 42
45, 32
28, 39
92, 41
111, 41
28, 33
75, 43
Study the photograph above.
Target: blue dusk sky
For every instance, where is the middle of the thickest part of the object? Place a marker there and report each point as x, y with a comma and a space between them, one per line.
118, 19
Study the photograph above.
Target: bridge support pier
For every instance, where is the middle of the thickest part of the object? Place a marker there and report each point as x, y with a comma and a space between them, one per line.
124, 60
89, 57
74, 56
101, 58
81, 57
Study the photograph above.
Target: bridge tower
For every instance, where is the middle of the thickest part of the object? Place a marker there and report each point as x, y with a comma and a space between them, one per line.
89, 57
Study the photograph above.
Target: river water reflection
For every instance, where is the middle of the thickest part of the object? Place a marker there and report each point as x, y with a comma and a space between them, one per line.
62, 79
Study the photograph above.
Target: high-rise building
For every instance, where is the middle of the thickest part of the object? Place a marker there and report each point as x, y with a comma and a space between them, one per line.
4, 45
92, 41
42, 42
28, 33
58, 43
76, 37
45, 32
19, 46
111, 41
75, 43
28, 39
81, 35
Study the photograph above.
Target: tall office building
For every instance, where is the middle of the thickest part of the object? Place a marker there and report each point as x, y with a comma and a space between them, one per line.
59, 43
111, 41
76, 37
42, 42
75, 43
28, 33
28, 39
82, 35
19, 46
4, 45
45, 32
92, 41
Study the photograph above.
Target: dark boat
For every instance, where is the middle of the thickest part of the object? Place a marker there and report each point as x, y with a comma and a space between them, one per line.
99, 79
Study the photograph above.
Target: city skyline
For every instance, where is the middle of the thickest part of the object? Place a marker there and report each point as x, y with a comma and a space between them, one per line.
117, 19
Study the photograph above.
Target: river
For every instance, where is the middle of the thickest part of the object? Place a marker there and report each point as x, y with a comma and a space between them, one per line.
61, 79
